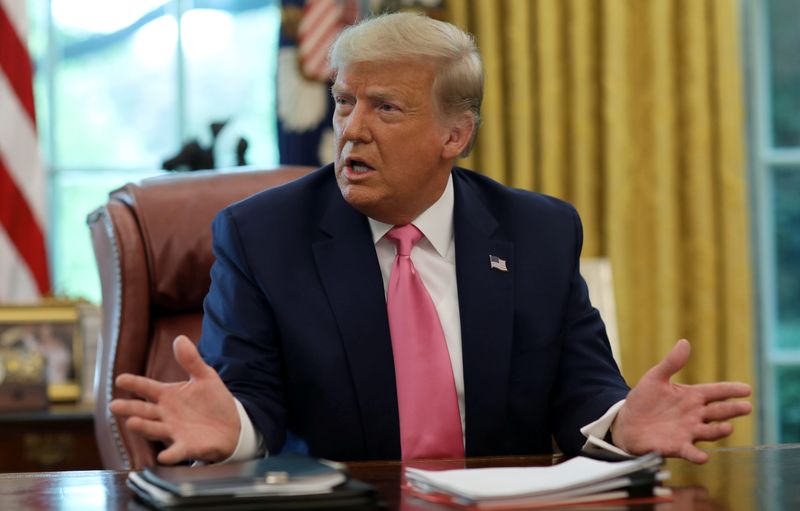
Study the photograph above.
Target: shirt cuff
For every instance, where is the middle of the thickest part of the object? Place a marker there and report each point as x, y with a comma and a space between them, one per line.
596, 431
250, 444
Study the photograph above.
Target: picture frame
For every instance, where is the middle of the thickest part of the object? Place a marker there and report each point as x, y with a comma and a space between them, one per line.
52, 330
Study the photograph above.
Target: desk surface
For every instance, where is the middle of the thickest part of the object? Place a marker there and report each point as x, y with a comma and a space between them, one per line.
759, 478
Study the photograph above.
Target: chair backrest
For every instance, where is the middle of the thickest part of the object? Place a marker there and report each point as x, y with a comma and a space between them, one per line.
596, 271
152, 242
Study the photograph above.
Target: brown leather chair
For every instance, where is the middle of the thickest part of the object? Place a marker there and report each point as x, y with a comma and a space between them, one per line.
152, 242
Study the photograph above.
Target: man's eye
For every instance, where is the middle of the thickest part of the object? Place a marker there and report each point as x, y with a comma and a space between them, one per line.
386, 107
341, 100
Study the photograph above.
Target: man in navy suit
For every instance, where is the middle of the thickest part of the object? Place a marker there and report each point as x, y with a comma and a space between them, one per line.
296, 345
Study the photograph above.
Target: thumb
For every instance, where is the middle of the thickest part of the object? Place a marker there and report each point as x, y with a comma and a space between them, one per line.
675, 360
188, 357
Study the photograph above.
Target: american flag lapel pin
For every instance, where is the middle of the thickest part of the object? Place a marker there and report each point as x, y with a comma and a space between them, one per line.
496, 263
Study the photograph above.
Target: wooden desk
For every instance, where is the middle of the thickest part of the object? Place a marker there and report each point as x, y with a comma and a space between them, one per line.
760, 478
59, 438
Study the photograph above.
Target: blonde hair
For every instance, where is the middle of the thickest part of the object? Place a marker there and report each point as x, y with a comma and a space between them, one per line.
458, 85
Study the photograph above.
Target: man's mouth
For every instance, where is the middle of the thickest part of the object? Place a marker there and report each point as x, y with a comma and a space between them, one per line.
358, 166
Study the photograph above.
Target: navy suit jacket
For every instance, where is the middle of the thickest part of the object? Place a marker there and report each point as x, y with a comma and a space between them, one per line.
296, 325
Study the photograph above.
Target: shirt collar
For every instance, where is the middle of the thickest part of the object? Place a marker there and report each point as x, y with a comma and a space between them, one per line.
436, 222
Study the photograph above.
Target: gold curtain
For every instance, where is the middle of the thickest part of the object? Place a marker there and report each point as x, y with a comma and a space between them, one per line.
632, 110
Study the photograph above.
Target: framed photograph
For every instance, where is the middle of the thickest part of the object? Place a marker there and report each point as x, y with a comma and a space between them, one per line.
50, 333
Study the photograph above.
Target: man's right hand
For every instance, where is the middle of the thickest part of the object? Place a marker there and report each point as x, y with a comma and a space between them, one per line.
197, 419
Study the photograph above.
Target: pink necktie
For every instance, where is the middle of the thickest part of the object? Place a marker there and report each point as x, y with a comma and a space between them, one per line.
430, 423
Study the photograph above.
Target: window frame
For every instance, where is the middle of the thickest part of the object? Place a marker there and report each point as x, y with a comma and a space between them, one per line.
764, 159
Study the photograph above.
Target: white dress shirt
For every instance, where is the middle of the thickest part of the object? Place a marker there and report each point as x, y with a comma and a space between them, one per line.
435, 260
434, 257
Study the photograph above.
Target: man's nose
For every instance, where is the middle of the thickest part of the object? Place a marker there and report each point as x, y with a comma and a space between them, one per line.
356, 126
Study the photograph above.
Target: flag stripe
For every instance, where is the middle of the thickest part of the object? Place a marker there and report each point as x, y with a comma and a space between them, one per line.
314, 10
17, 281
20, 150
16, 65
321, 33
320, 24
15, 10
19, 223
318, 61
24, 275
319, 42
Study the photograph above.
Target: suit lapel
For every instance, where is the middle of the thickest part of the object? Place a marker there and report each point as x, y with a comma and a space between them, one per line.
486, 307
348, 267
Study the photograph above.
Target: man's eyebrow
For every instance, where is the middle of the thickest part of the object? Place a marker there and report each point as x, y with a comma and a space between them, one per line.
376, 95
383, 96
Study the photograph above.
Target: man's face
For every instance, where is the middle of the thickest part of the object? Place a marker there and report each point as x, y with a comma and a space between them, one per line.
393, 151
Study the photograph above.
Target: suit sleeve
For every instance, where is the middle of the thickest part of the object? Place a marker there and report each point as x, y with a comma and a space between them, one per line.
240, 337
588, 381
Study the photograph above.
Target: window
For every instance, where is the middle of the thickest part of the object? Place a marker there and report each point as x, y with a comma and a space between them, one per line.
121, 86
774, 72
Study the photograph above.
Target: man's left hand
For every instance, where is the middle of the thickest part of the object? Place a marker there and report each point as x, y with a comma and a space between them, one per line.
670, 417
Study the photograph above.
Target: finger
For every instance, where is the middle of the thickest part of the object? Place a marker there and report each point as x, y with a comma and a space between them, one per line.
189, 358
674, 361
141, 386
134, 407
153, 430
691, 453
173, 454
723, 390
713, 431
724, 410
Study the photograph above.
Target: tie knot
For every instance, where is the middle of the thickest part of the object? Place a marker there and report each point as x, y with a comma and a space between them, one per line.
404, 237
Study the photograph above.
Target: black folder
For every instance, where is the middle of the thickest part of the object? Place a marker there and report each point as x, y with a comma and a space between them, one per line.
289, 482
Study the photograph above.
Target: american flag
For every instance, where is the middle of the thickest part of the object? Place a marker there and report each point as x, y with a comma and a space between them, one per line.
321, 22
24, 273
497, 264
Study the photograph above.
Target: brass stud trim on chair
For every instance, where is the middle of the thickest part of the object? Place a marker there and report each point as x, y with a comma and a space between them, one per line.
115, 327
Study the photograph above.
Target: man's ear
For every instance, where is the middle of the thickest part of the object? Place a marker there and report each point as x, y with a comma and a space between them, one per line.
459, 135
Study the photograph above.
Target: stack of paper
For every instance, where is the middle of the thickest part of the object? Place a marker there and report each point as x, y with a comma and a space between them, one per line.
578, 480
277, 482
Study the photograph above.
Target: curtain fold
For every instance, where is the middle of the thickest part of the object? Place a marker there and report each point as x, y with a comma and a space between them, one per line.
633, 112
